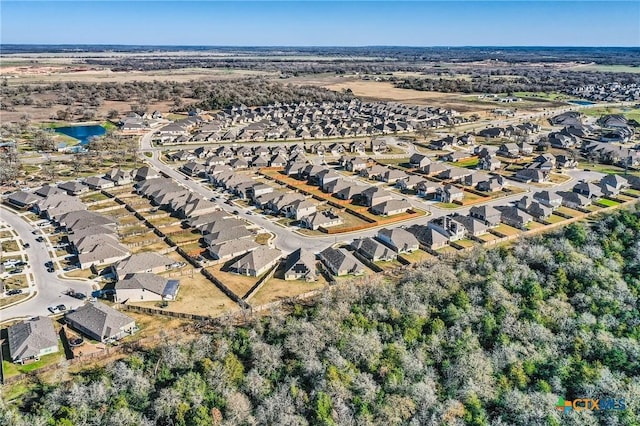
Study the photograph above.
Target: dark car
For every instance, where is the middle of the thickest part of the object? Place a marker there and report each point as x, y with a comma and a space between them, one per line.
80, 296
51, 269
48, 264
14, 291
26, 245
39, 239
236, 212
61, 308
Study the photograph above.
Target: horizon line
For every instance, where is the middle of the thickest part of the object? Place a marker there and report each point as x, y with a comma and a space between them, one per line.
322, 46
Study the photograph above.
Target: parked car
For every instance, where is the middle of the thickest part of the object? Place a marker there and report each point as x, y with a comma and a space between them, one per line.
48, 264
16, 271
51, 269
26, 245
61, 308
79, 296
54, 309
39, 239
14, 292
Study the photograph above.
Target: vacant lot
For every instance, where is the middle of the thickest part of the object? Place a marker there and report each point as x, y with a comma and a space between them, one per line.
238, 284
199, 296
277, 289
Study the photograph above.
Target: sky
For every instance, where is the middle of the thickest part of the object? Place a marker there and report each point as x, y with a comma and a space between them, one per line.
324, 23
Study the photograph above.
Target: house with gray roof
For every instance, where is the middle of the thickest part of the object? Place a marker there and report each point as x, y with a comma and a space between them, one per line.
375, 195
574, 200
98, 182
301, 265
147, 262
548, 198
340, 262
534, 208
391, 207
101, 322
321, 219
513, 216
22, 199
31, 339
145, 287
429, 237
399, 239
144, 173
257, 261
419, 160
231, 248
372, 249
488, 214
450, 193
587, 189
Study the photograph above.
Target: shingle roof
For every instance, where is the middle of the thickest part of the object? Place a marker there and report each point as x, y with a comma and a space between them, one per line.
149, 282
99, 319
28, 338
257, 259
142, 262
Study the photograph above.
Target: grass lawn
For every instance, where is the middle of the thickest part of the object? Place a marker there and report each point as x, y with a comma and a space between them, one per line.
593, 208
607, 203
448, 205
554, 218
147, 236
197, 296
389, 264
488, 237
466, 243
105, 205
98, 196
263, 238
535, 225
418, 256
469, 163
155, 247
80, 273
447, 250
153, 325
6, 234
15, 281
632, 192
11, 369
185, 236
163, 221
570, 212
473, 198
131, 230
10, 245
12, 299
507, 230
605, 168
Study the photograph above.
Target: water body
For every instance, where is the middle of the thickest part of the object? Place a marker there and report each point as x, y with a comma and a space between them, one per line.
581, 102
82, 133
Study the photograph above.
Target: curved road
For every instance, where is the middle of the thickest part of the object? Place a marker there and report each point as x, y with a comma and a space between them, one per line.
50, 289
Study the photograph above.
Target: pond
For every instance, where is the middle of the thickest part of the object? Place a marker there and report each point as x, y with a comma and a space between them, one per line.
578, 102
82, 133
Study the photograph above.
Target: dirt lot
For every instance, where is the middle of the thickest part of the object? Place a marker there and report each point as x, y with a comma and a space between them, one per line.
199, 296
278, 289
239, 284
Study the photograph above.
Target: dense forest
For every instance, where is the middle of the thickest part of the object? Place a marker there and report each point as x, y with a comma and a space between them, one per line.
512, 80
492, 338
79, 98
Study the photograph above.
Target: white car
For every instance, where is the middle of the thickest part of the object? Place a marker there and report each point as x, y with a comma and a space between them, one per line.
54, 309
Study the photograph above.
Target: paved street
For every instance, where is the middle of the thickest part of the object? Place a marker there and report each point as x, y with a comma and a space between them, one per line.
50, 289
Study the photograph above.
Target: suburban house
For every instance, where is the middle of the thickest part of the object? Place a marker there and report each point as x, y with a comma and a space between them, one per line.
392, 175
450, 193
372, 249
340, 262
300, 208
31, 339
300, 265
399, 239
472, 226
449, 226
510, 150
409, 183
97, 182
534, 208
231, 248
391, 207
434, 169
73, 187
148, 262
428, 187
489, 163
101, 322
145, 287
257, 261
321, 219
494, 184
587, 189
515, 217
531, 175
375, 195
574, 200
488, 214
193, 169
22, 199
548, 198
429, 237
419, 160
